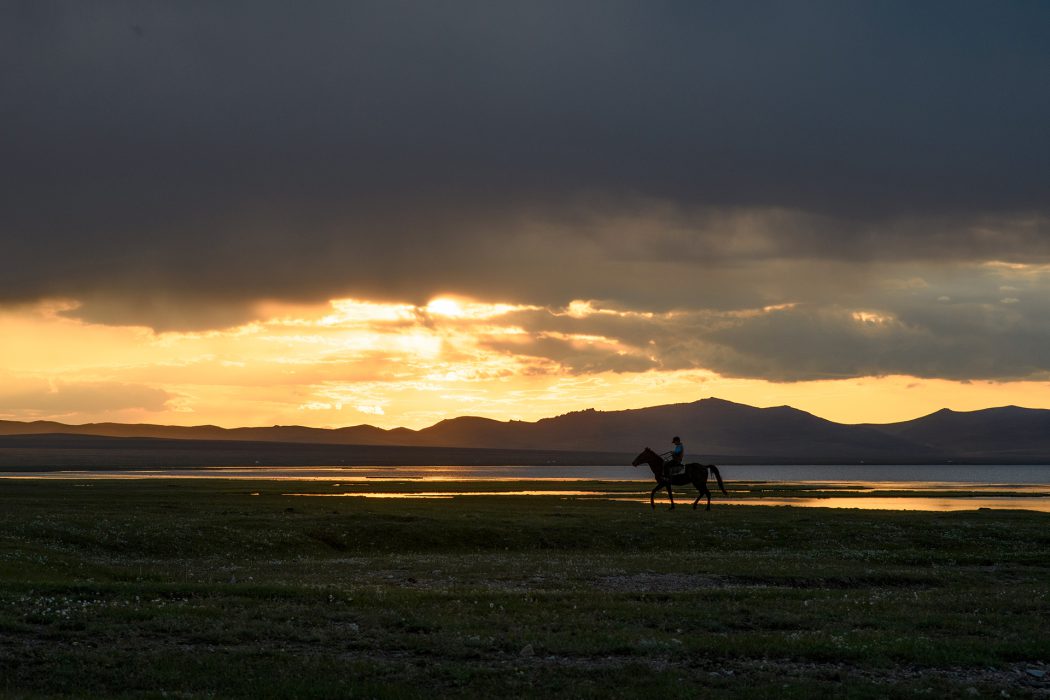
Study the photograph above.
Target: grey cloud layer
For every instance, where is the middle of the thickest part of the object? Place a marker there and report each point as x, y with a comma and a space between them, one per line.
972, 322
171, 163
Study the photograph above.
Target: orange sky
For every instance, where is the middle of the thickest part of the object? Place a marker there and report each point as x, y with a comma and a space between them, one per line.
367, 214
350, 362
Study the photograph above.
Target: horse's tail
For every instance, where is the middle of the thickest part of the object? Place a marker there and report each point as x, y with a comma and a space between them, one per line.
718, 476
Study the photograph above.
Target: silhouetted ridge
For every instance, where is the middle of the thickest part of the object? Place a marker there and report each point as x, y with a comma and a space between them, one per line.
1009, 431
712, 429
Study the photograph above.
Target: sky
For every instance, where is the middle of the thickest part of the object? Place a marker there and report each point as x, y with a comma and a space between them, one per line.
334, 213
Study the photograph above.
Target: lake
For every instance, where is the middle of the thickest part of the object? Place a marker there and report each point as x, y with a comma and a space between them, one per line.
890, 487
896, 473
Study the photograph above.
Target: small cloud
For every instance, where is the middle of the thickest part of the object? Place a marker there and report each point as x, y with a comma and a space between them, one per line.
871, 318
944, 299
1009, 300
320, 406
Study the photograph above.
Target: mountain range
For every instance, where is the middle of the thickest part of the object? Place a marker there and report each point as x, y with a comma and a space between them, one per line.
713, 430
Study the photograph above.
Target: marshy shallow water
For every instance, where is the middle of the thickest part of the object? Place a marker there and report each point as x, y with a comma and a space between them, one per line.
896, 487
924, 496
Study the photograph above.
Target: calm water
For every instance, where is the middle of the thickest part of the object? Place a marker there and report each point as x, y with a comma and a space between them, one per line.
938, 503
934, 488
939, 474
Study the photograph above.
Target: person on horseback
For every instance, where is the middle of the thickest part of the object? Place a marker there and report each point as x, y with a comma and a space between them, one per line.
674, 465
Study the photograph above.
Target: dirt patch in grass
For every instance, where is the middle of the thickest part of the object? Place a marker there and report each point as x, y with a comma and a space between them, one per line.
661, 583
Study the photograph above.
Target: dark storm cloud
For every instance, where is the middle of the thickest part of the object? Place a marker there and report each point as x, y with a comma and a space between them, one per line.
968, 323
171, 163
970, 341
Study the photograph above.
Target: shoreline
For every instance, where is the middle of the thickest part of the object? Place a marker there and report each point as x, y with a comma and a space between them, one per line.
343, 485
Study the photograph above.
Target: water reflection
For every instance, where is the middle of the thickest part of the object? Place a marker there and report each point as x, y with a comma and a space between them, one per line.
453, 494
953, 502
1040, 504
883, 488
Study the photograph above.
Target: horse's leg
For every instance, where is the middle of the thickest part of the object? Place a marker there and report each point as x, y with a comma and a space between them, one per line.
700, 482
652, 494
670, 495
708, 499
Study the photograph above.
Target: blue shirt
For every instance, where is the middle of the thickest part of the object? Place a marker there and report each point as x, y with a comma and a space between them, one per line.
678, 453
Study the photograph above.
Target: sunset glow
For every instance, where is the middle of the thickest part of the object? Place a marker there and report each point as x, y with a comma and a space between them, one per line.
353, 361
444, 349
399, 216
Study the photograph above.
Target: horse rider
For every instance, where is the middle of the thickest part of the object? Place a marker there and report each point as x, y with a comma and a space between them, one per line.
674, 465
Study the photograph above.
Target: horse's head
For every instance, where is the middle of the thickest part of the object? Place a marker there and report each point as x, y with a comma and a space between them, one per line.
645, 456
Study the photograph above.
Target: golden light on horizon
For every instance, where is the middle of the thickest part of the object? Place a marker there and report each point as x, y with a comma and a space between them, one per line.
352, 361
461, 308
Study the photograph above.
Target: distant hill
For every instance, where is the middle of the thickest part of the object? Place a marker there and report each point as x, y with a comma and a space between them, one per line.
708, 427
1007, 434
41, 452
356, 435
712, 430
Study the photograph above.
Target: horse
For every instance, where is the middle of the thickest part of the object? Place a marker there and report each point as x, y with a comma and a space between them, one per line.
694, 473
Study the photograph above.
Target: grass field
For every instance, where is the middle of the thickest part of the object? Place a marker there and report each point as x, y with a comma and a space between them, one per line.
214, 588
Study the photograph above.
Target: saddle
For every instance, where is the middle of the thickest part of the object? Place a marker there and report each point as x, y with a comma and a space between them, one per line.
672, 468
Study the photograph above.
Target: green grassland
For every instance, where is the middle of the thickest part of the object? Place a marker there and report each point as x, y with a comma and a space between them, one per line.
229, 588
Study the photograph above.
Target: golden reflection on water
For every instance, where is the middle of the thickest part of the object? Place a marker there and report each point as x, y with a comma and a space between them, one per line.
895, 495
924, 503
877, 486
1040, 504
453, 494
